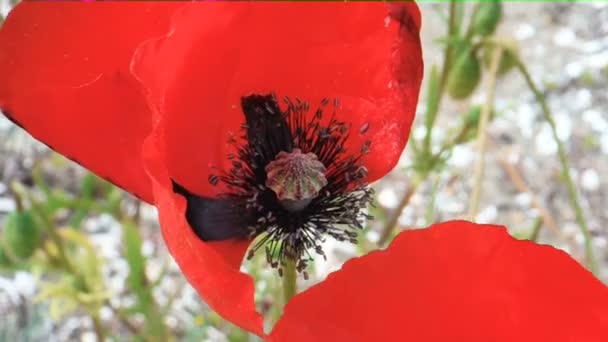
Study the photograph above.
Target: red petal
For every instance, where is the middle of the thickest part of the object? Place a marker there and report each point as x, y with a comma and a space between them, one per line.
211, 268
218, 52
454, 281
66, 80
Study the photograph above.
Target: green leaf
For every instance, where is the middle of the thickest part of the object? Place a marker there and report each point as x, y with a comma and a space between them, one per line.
138, 283
87, 190
134, 257
113, 202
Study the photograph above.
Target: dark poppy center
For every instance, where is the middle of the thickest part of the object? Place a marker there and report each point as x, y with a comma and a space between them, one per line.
291, 183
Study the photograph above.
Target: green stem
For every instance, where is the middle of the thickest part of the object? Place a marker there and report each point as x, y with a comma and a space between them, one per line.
447, 58
387, 230
12, 189
289, 280
51, 230
98, 328
535, 231
125, 320
580, 218
482, 135
448, 145
389, 227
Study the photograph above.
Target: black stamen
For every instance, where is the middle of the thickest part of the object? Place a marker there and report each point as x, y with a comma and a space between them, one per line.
250, 209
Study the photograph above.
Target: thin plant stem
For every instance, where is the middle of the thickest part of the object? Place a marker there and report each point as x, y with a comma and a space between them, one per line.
520, 184
51, 230
429, 216
12, 189
289, 280
98, 328
389, 226
536, 226
561, 151
447, 58
124, 320
482, 135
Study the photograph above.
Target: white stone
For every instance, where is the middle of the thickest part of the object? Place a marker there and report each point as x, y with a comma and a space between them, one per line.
595, 120
545, 144
523, 199
372, 236
88, 336
7, 204
524, 118
564, 37
524, 31
487, 215
604, 143
388, 198
590, 180
462, 156
563, 126
574, 69
147, 248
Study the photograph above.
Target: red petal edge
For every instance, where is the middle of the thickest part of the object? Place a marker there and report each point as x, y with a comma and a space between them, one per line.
66, 80
455, 281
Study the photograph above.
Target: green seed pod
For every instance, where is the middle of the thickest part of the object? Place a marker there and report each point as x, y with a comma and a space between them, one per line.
507, 60
486, 17
465, 75
21, 235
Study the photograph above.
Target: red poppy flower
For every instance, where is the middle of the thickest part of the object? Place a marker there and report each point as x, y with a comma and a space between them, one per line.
352, 72
179, 104
366, 55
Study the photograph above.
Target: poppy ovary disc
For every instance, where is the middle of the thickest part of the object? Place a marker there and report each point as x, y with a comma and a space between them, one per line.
296, 178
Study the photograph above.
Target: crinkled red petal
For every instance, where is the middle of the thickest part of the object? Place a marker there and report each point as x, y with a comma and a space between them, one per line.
366, 54
455, 281
66, 80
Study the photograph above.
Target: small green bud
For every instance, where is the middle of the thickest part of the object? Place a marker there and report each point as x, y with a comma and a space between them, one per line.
464, 76
486, 17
